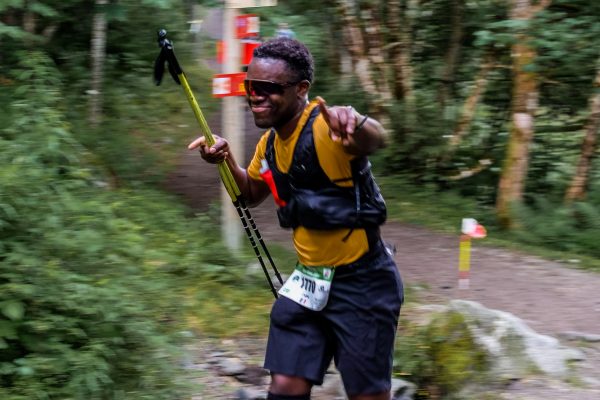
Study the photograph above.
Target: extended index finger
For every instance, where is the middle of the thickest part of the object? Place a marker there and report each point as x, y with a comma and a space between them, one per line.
197, 143
324, 110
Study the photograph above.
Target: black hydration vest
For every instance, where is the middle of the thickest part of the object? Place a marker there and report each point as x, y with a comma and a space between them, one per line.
313, 200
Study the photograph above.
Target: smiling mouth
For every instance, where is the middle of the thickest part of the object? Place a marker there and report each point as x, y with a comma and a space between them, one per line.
259, 109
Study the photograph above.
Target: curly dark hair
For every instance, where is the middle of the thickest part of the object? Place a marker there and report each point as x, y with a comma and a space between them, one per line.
295, 54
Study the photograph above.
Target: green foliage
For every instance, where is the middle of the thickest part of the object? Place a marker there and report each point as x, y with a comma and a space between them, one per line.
11, 4
554, 154
440, 358
567, 65
137, 114
430, 206
563, 233
573, 228
80, 337
93, 283
69, 326
11, 32
147, 126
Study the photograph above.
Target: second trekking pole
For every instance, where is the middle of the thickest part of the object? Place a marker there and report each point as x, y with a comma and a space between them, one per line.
167, 55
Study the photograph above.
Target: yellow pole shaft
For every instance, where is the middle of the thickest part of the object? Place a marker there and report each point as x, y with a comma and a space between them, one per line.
230, 184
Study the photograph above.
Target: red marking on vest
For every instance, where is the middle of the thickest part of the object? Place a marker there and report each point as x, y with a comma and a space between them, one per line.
267, 176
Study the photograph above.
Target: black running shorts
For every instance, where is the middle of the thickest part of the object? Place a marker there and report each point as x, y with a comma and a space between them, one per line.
357, 328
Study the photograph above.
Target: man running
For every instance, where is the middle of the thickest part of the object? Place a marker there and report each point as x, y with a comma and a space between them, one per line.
343, 300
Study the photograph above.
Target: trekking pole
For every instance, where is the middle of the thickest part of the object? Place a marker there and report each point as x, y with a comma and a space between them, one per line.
167, 55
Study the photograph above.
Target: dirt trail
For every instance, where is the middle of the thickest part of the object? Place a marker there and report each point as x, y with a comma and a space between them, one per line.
550, 297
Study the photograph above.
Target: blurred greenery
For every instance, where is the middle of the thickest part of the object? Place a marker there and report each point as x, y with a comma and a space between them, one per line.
440, 358
96, 283
565, 233
101, 271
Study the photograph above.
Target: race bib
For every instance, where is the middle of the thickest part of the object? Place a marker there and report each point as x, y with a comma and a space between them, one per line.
309, 286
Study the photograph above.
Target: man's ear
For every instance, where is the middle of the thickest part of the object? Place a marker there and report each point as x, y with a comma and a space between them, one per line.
303, 88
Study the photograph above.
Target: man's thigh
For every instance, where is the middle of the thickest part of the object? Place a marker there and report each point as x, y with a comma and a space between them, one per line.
299, 343
363, 312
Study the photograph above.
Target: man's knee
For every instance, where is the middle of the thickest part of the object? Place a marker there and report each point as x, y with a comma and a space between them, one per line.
285, 387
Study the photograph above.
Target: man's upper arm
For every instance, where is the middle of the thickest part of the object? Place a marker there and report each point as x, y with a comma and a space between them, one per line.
258, 189
259, 155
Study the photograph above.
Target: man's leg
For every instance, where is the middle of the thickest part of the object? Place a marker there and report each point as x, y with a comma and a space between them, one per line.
380, 396
364, 308
285, 387
297, 354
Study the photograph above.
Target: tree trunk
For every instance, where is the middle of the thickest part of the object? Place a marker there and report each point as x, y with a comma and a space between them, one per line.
577, 189
365, 70
452, 54
470, 106
524, 105
29, 20
376, 54
98, 55
400, 27
30, 24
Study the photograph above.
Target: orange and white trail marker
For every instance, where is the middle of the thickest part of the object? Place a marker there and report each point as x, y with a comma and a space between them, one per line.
471, 229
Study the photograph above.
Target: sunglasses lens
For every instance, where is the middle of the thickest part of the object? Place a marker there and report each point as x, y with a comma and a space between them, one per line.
264, 88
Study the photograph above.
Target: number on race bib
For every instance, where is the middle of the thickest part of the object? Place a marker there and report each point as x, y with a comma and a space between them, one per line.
302, 285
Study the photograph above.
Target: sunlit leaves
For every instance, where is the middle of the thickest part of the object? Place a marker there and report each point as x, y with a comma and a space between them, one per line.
11, 32
7, 4
41, 9
12, 309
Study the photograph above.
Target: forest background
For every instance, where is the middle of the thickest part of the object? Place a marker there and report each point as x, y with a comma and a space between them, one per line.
493, 108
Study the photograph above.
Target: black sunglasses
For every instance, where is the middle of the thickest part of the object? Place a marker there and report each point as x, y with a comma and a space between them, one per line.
266, 88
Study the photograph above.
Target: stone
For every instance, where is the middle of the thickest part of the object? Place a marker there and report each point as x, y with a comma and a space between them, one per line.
403, 390
585, 337
231, 366
515, 347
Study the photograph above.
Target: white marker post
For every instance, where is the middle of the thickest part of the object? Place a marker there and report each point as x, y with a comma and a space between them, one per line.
232, 120
471, 229
232, 125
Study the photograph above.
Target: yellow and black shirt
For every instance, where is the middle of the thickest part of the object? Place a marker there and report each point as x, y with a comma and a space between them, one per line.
317, 247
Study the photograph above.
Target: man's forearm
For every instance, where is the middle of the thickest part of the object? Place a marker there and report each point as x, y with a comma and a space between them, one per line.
370, 137
239, 174
251, 191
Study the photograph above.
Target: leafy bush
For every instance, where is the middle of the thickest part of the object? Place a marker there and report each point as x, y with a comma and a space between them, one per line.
571, 228
440, 358
430, 206
91, 280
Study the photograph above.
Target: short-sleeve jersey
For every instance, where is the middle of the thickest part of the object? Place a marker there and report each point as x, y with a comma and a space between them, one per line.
317, 247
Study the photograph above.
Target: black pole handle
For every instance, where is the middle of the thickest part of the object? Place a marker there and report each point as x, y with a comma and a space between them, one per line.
167, 54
